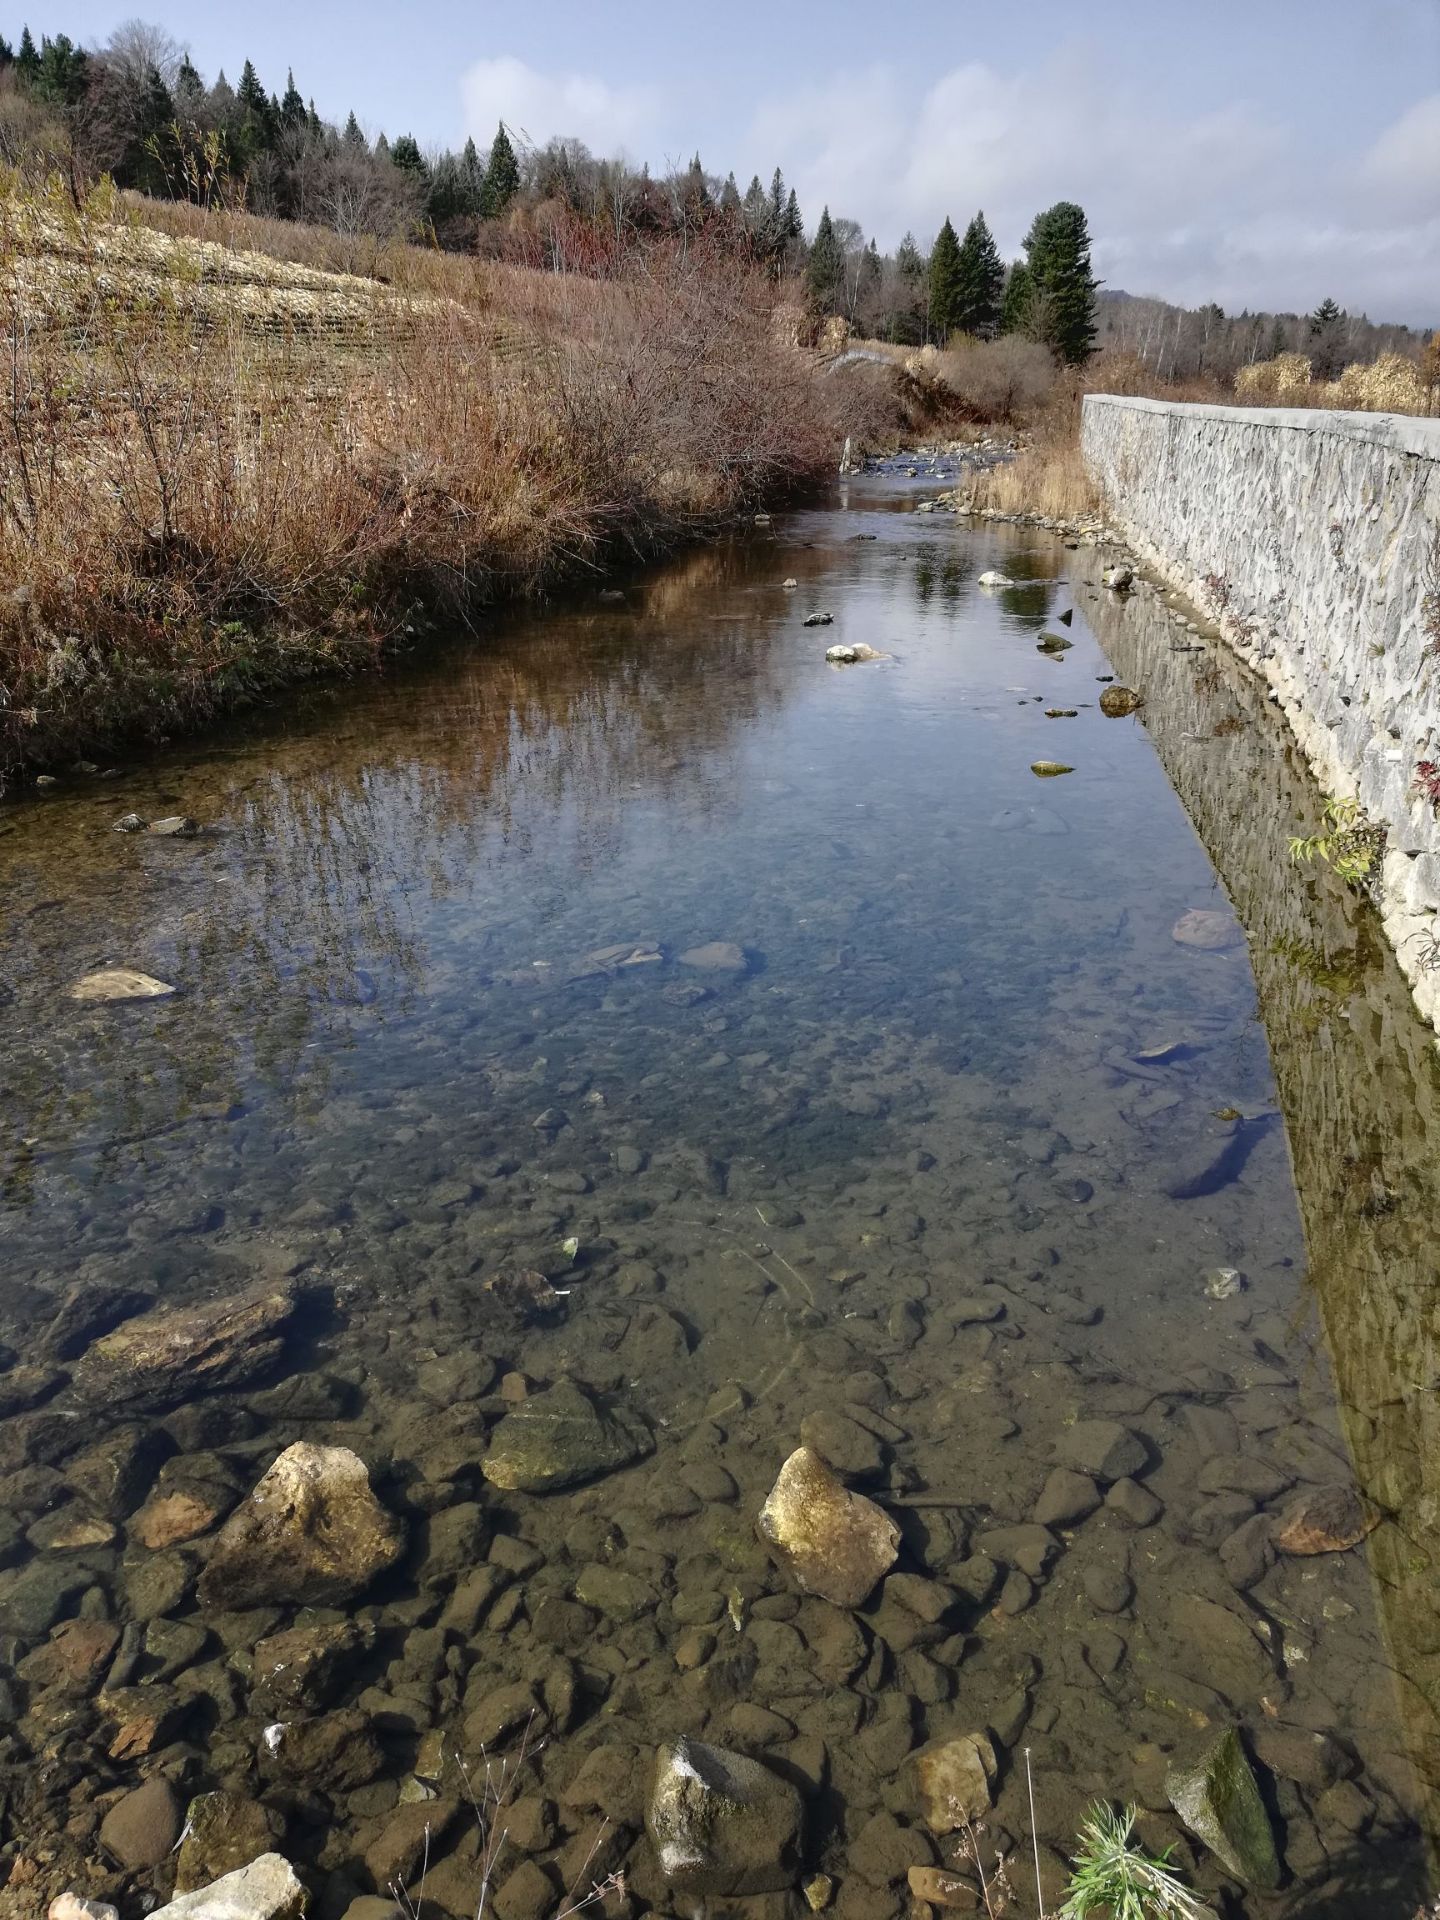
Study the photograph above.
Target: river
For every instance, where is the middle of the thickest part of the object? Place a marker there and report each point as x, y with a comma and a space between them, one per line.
838, 1072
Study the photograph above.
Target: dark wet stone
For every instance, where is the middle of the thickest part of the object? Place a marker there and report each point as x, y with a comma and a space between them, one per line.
1218, 1800
1137, 1506
1107, 1588
115, 1474
1067, 1497
1102, 1448
1313, 1760
175, 1353
307, 1666
1248, 1553
562, 1437
91, 1308
140, 1830
722, 1823
331, 1751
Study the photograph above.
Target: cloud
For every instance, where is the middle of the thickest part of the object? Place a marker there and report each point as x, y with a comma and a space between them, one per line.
540, 105
1233, 205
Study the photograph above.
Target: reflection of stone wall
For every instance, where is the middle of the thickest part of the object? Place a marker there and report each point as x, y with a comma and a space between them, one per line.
1360, 1088
1315, 537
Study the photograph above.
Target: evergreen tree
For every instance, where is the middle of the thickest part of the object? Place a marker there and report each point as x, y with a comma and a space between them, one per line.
730, 197
502, 175
945, 283
754, 208
382, 147
1063, 306
909, 261
695, 192
1019, 299
258, 115
794, 225
7, 55
353, 138
1325, 330
292, 107
826, 266
27, 60
189, 90
980, 281
406, 155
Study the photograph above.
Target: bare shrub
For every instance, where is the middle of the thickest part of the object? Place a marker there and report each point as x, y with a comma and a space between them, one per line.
998, 380
212, 485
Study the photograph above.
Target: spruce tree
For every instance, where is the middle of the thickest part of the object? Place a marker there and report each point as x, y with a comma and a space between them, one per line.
502, 175
353, 137
406, 155
1058, 247
1326, 353
909, 261
257, 112
7, 53
754, 207
1018, 300
826, 266
794, 225
27, 59
980, 278
945, 283
730, 197
292, 107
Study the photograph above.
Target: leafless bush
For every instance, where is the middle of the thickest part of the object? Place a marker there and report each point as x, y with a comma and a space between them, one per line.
998, 379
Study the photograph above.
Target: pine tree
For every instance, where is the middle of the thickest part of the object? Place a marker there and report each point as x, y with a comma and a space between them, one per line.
1063, 307
1324, 329
980, 281
1019, 298
27, 59
794, 225
826, 266
292, 107
189, 89
258, 114
353, 137
754, 207
502, 175
944, 283
909, 262
730, 198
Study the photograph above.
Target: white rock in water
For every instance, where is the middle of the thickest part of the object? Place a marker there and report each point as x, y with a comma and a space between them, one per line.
74, 1906
119, 983
790, 585
1119, 578
995, 580
847, 656
265, 1890
1222, 1283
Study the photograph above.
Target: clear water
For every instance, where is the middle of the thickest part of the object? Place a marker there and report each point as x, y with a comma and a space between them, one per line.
928, 1081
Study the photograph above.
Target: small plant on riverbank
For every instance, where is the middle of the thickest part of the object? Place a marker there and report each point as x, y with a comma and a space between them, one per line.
1350, 842
1116, 1877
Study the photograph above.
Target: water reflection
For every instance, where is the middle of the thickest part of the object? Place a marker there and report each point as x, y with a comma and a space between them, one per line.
964, 1054
1359, 1084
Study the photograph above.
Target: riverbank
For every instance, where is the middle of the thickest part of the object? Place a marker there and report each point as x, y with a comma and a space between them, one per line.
228, 473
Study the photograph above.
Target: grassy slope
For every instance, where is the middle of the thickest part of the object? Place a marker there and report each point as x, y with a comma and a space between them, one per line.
224, 470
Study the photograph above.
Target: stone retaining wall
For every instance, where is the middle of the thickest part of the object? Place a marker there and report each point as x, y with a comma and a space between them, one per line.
1313, 539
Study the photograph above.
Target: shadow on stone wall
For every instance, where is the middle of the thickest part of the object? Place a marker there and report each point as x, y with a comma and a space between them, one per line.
1359, 1082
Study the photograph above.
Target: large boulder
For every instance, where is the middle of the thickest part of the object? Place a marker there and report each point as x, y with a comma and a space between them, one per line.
310, 1534
223, 1831
831, 1542
562, 1437
1220, 1803
157, 1360
266, 1889
721, 1823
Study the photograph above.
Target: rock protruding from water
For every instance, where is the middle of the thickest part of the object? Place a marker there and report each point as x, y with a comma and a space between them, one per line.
993, 579
1323, 1520
1117, 702
311, 1533
119, 983
160, 1359
721, 1823
562, 1437
1219, 1801
955, 1778
833, 1543
267, 1889
846, 655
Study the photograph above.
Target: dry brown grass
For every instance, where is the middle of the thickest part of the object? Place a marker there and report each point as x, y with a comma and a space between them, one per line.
219, 472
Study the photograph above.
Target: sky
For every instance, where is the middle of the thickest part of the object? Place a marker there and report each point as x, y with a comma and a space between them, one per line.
1261, 153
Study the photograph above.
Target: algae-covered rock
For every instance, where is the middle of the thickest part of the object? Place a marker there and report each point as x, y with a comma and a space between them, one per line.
562, 1437
832, 1542
311, 1532
223, 1831
160, 1359
721, 1823
955, 1779
1218, 1800
1117, 702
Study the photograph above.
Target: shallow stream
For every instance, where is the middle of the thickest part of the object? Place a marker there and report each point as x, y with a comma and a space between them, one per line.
969, 1142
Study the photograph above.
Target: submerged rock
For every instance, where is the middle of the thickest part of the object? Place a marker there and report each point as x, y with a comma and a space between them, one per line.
266, 1889
119, 983
721, 1823
819, 619
831, 1542
1219, 1801
1205, 927
311, 1533
223, 1831
140, 1829
1324, 1520
716, 956
562, 1437
1053, 643
160, 1359
848, 656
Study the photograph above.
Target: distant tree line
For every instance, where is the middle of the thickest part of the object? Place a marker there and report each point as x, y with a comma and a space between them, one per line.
137, 109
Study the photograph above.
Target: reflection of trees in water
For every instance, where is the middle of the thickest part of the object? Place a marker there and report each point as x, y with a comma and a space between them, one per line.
1360, 1086
533, 746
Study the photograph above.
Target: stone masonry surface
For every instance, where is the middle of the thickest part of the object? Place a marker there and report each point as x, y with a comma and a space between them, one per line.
1313, 539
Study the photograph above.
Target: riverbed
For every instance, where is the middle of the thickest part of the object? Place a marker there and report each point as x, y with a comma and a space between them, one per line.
632, 998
